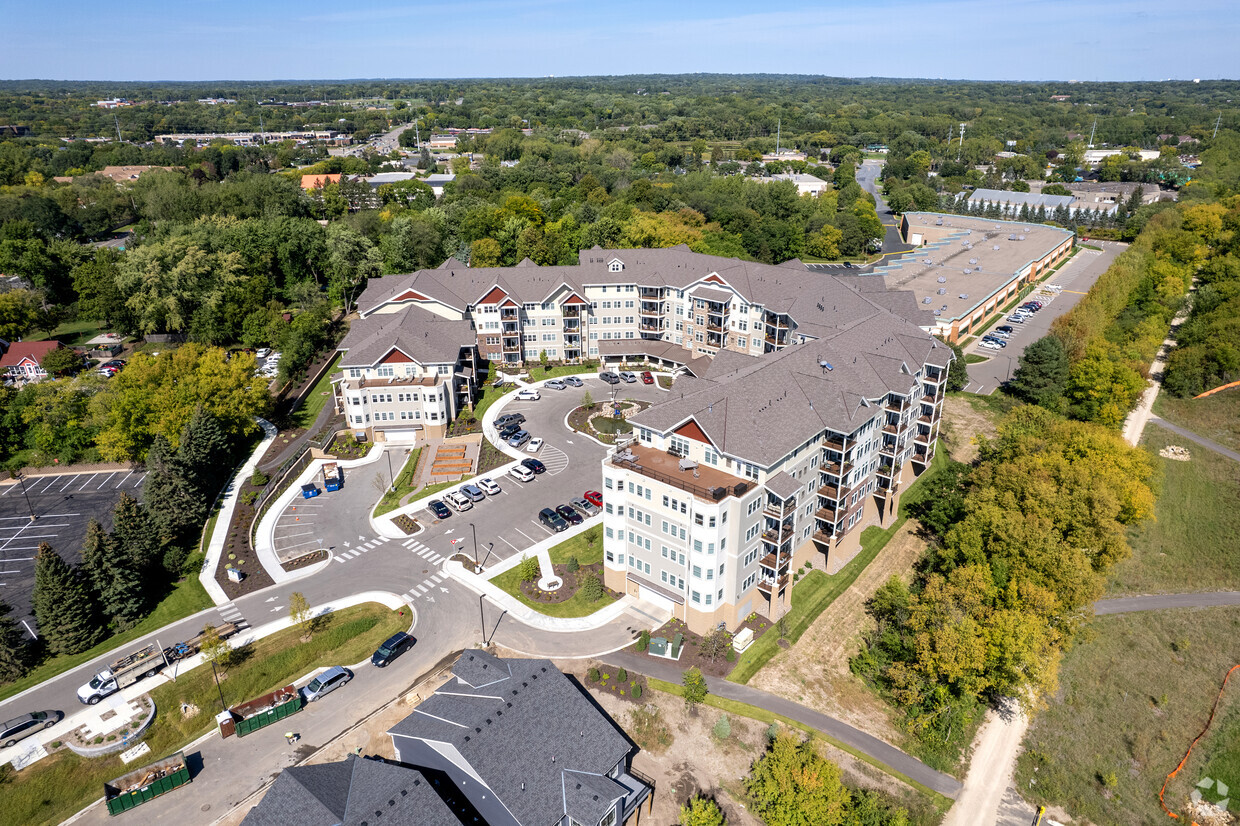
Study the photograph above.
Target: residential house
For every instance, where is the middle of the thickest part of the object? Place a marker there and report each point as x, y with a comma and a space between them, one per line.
22, 360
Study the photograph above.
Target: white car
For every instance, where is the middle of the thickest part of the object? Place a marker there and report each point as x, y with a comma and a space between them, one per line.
521, 473
990, 345
262, 352
488, 487
535, 445
459, 501
528, 395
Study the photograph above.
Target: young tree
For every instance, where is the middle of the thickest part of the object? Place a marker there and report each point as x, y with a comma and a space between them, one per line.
542, 359
591, 587
62, 361
1043, 373
62, 605
215, 649
715, 644
958, 373
530, 569
695, 689
13, 651
701, 811
587, 401
299, 613
118, 585
792, 785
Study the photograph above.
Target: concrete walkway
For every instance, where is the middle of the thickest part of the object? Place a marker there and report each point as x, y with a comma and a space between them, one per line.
1160, 602
867, 744
228, 503
1193, 437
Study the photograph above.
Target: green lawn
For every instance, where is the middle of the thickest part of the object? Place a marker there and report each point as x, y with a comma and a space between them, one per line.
56, 787
576, 606
404, 484
189, 597
1134, 691
938, 802
817, 589
309, 409
1191, 544
74, 333
1215, 417
587, 546
974, 358
490, 395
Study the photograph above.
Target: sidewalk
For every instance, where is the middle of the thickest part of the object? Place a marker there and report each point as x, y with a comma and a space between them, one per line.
1208, 444
839, 730
228, 503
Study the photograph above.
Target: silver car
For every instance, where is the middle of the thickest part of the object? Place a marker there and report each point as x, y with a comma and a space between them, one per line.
325, 683
586, 507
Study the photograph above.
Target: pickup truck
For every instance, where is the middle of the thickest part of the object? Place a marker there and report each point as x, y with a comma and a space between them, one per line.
123, 673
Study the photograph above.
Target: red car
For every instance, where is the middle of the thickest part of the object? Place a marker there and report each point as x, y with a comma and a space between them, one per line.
594, 498
647, 378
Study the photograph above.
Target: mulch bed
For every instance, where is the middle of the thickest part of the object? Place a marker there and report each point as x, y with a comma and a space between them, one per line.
304, 560
618, 683
406, 523
691, 654
571, 581
237, 544
490, 457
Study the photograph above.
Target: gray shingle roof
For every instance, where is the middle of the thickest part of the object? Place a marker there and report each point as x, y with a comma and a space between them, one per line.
782, 485
351, 792
587, 797
533, 728
418, 333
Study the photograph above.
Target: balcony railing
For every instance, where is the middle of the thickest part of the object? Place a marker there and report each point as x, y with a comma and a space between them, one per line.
836, 492
715, 494
777, 537
829, 514
508, 315
898, 406
823, 537
572, 312
835, 469
773, 584
776, 563
833, 444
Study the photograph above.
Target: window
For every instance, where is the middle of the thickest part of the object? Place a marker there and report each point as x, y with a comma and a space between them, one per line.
708, 599
610, 533
697, 597
385, 372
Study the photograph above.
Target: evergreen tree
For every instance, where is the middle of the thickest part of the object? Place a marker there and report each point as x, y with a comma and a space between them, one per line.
13, 650
63, 606
117, 584
205, 452
1042, 375
134, 536
175, 504
958, 373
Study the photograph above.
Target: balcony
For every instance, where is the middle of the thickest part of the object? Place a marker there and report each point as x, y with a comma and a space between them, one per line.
923, 437
512, 345
704, 482
923, 457
777, 340
885, 471
930, 398
836, 492
777, 537
772, 585
714, 340
898, 406
650, 292
508, 315
717, 309
776, 320
651, 309
836, 469
828, 514
572, 325
512, 328
711, 324
773, 562
823, 537
834, 443
891, 429
775, 511
888, 450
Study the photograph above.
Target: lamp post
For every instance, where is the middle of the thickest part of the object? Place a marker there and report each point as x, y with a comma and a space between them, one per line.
474, 531
21, 480
389, 461
218, 687
482, 622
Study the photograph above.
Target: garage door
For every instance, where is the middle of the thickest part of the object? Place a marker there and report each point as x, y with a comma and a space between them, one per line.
401, 437
647, 595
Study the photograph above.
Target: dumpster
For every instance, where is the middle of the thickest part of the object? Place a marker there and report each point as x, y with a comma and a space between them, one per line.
140, 785
309, 491
270, 708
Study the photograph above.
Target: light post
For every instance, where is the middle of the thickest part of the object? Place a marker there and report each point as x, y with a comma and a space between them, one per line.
482, 622
218, 686
474, 531
21, 480
389, 461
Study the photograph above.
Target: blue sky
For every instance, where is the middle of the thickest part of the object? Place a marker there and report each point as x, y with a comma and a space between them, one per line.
264, 39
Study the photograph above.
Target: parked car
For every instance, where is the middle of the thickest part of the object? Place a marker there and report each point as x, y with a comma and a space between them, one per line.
586, 507
438, 508
609, 377
593, 497
262, 352
114, 364
489, 487
556, 384
535, 445
552, 520
988, 345
325, 683
521, 473
19, 728
459, 501
509, 418
519, 438
473, 492
534, 465
996, 340
528, 394
573, 381
997, 334
1018, 319
569, 514
647, 378
1006, 328
628, 377
510, 431
391, 648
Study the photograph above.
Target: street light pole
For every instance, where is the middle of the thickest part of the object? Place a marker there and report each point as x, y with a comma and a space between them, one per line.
218, 686
389, 461
482, 622
474, 531
21, 480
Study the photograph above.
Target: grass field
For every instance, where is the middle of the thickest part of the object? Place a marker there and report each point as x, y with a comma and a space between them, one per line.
1191, 544
1134, 692
74, 332
404, 484
189, 597
316, 399
1215, 417
56, 787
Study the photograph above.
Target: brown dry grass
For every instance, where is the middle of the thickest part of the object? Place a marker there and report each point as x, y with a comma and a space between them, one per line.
962, 422
815, 672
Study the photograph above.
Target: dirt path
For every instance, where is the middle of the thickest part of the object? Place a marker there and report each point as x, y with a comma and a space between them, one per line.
815, 672
990, 769
961, 424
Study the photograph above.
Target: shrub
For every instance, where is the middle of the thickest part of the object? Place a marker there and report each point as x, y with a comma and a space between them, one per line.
529, 569
637, 691
723, 728
643, 640
592, 675
259, 478
573, 565
249, 497
623, 675
591, 587
731, 655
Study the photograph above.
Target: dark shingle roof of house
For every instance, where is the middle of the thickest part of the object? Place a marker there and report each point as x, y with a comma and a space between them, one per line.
587, 797
418, 333
529, 737
351, 792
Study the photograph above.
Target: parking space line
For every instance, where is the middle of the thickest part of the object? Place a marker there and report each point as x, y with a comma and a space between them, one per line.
526, 535
88, 481
296, 544
121, 483
509, 544
105, 481
140, 480
291, 535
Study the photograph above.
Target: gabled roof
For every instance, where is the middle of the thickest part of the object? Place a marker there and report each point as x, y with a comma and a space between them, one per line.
531, 736
420, 334
350, 792
33, 350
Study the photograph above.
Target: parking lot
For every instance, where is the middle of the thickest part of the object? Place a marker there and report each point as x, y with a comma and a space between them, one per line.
62, 506
1074, 280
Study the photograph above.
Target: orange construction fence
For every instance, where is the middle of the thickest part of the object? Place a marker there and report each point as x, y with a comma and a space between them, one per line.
1218, 389
1217, 700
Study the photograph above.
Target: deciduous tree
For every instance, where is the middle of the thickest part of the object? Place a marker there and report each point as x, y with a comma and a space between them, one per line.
792, 785
695, 689
701, 811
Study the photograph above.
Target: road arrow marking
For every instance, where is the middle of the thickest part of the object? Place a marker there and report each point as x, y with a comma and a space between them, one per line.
430, 598
277, 608
445, 590
270, 599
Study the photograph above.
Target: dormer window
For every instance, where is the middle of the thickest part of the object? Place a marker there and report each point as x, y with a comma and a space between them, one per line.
616, 265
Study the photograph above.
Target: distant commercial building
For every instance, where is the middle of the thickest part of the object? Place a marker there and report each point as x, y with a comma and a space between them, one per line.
805, 184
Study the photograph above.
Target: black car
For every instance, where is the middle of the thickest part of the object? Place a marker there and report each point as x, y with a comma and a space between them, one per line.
1006, 328
609, 377
552, 520
569, 514
534, 465
510, 430
439, 509
391, 648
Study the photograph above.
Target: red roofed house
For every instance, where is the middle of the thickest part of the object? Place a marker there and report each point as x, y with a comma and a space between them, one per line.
309, 182
22, 359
